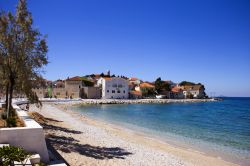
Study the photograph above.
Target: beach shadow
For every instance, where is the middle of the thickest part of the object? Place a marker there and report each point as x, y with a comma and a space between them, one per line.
44, 122
69, 144
52, 127
53, 120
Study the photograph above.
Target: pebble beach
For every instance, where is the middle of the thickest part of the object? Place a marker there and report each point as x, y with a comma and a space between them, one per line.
83, 141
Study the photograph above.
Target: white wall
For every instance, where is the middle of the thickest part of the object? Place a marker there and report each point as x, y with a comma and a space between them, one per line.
30, 137
111, 88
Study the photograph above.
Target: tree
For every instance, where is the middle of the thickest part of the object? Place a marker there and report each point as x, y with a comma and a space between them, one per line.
87, 82
161, 85
158, 83
102, 75
185, 83
166, 86
147, 92
22, 53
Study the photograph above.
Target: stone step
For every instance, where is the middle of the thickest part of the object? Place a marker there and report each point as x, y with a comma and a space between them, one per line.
2, 145
35, 159
57, 163
25, 162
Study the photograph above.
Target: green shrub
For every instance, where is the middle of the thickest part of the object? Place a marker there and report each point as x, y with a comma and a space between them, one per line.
9, 154
4, 115
11, 122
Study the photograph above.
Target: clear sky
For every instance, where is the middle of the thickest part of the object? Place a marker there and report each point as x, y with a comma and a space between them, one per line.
204, 41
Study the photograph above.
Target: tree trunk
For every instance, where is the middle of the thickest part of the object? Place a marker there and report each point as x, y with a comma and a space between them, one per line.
6, 97
9, 108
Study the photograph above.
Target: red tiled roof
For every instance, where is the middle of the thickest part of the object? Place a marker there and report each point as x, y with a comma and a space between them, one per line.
176, 89
77, 78
133, 79
146, 85
168, 81
131, 84
97, 75
107, 78
138, 93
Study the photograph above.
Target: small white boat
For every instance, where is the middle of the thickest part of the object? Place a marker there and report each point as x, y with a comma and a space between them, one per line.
160, 96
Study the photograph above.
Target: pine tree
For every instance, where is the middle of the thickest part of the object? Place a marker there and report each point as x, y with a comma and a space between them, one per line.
22, 53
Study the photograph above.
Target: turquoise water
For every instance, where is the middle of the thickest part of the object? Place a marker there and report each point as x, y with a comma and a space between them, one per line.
221, 127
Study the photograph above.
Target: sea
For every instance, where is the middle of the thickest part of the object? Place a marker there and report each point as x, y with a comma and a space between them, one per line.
218, 128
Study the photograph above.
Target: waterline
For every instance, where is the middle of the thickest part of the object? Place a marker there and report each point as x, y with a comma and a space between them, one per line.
218, 127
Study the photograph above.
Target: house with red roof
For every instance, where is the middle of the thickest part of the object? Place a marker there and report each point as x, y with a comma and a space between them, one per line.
194, 91
176, 93
144, 85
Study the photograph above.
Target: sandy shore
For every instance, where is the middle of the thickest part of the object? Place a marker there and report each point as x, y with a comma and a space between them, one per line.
84, 141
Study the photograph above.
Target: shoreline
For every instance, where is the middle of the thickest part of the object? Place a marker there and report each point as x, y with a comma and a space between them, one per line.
174, 155
171, 140
125, 101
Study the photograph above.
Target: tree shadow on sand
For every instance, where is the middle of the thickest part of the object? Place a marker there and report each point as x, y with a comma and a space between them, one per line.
52, 127
69, 144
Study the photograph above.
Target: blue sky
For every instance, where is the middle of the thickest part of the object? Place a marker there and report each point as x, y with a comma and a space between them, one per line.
204, 41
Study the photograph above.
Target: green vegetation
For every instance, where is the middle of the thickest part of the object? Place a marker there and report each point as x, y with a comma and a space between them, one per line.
50, 92
187, 83
161, 85
87, 82
22, 54
11, 122
147, 92
190, 95
9, 154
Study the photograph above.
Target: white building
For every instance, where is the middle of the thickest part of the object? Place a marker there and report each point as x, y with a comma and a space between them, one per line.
196, 91
113, 87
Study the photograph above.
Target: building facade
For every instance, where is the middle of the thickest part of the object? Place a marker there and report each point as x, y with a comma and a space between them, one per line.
91, 93
176, 93
114, 87
73, 87
194, 91
69, 88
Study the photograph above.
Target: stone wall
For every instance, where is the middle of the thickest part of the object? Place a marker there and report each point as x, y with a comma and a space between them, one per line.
92, 92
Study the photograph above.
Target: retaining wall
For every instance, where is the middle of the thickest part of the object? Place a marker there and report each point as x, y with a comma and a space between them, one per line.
30, 137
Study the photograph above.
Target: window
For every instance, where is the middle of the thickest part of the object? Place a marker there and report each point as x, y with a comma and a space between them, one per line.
124, 91
118, 91
111, 97
107, 91
113, 91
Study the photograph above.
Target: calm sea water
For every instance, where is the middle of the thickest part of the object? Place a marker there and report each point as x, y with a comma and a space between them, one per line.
221, 127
